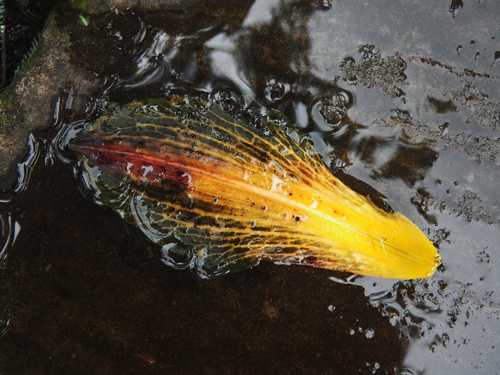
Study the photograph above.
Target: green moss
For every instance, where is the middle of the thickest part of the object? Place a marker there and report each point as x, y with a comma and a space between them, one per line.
79, 4
7, 101
61, 39
88, 6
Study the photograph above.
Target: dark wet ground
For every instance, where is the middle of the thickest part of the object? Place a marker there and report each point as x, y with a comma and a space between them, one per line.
402, 96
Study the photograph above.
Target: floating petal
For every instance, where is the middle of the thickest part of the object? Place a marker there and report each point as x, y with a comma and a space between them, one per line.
231, 193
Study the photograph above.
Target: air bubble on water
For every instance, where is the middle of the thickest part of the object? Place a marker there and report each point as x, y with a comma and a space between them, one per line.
227, 97
325, 4
496, 57
329, 112
455, 4
275, 90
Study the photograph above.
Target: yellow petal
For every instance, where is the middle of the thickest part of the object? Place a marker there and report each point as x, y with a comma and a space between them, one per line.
234, 195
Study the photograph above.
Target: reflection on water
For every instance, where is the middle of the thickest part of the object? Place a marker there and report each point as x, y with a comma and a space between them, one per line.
431, 125
9, 231
4, 322
384, 96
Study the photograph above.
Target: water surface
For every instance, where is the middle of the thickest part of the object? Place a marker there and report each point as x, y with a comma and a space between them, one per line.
401, 96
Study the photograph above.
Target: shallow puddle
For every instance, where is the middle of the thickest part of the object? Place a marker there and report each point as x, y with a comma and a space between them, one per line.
400, 100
